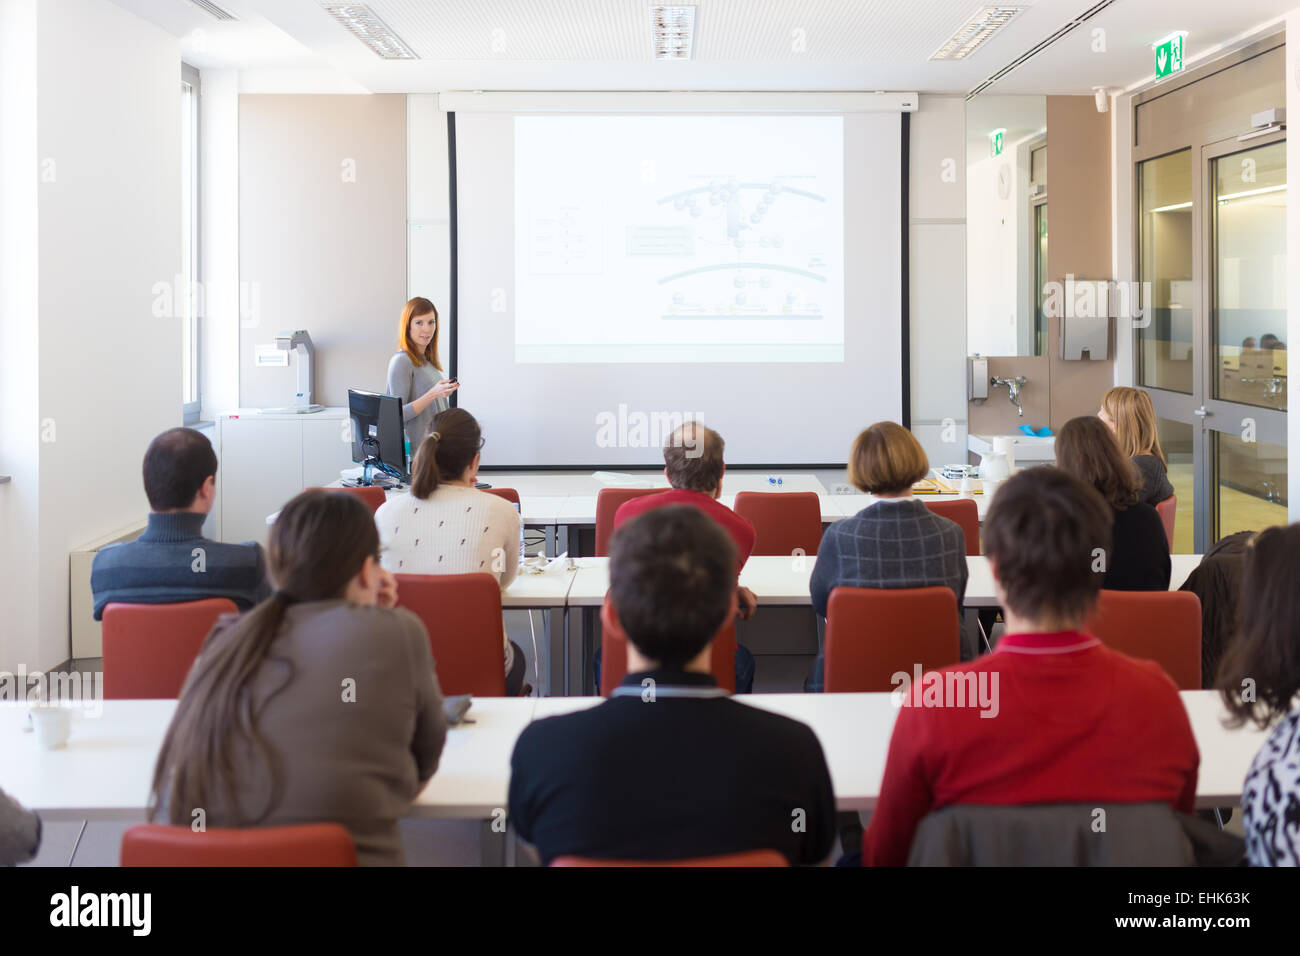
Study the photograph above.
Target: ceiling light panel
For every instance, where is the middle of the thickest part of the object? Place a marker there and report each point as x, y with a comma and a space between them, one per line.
975, 32
364, 24
672, 31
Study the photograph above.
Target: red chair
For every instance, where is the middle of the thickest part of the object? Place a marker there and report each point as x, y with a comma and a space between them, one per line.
873, 633
608, 501
509, 494
149, 648
783, 520
1168, 510
1160, 626
746, 858
964, 512
462, 613
370, 496
613, 657
312, 844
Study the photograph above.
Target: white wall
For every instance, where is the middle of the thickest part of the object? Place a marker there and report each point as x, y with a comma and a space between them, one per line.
106, 232
219, 241
1293, 255
937, 213
19, 433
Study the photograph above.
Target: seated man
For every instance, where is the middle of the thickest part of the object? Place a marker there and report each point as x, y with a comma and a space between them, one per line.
1052, 715
694, 467
669, 768
172, 561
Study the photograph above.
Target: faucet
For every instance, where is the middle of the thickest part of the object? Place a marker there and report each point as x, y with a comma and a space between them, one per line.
1014, 385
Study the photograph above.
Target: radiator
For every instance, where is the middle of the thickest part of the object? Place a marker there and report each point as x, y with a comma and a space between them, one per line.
87, 637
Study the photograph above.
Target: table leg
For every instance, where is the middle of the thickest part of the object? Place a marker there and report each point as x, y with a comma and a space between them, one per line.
492, 844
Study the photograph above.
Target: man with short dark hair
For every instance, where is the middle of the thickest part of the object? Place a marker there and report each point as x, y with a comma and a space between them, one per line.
1052, 715
172, 561
669, 768
694, 467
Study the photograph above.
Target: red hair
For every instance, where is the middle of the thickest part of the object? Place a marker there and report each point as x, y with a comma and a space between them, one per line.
414, 308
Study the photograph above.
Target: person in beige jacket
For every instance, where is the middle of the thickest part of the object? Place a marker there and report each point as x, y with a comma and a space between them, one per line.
345, 720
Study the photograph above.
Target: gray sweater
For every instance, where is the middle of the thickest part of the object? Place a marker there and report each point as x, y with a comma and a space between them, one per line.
349, 702
408, 382
1155, 480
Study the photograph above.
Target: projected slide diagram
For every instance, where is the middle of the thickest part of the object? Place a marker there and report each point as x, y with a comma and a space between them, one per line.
679, 238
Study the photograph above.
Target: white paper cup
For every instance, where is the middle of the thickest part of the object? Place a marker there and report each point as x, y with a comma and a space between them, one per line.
52, 726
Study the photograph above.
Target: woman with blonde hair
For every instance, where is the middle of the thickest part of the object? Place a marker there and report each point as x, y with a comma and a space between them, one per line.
1129, 414
415, 371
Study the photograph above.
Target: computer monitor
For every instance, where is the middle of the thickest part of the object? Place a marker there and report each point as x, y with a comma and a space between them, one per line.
378, 433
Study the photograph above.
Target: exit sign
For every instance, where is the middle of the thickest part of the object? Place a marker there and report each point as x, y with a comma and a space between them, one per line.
995, 142
1169, 54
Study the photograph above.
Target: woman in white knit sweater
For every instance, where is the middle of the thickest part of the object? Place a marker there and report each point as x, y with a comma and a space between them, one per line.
447, 526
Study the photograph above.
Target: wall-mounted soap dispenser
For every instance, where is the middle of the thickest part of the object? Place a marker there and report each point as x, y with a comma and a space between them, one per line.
977, 378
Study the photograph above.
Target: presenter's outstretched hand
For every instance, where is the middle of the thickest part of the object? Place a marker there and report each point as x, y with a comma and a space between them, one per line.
442, 389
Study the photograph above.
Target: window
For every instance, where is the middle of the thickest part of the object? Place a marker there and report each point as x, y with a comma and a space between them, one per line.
188, 297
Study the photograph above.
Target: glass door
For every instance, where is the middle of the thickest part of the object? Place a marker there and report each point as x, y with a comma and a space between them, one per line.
1245, 414
1209, 349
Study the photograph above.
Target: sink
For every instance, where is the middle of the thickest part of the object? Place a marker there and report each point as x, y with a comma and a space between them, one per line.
1028, 448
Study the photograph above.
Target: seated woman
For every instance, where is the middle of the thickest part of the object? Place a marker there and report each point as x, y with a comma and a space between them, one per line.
318, 705
1129, 414
1139, 556
1259, 677
896, 542
447, 526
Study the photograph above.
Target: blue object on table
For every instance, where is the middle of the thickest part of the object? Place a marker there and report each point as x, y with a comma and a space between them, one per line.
775, 481
1043, 432
1028, 430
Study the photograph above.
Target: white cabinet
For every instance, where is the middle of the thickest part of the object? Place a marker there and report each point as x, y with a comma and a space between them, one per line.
266, 459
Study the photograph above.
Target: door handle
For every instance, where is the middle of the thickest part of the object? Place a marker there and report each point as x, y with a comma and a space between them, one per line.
1201, 412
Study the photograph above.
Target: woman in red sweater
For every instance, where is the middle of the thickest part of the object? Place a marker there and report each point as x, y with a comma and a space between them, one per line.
1052, 715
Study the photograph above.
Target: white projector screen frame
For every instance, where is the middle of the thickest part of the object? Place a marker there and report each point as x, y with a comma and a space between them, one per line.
584, 415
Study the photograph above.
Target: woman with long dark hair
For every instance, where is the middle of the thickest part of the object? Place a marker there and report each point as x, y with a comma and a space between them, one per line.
1259, 677
319, 704
1139, 556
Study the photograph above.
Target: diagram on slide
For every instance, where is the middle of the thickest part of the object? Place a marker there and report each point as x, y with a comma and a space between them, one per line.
679, 238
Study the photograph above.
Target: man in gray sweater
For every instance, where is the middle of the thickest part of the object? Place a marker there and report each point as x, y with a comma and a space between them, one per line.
172, 561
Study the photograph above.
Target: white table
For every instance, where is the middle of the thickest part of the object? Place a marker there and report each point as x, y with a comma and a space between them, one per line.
854, 731
106, 768
783, 581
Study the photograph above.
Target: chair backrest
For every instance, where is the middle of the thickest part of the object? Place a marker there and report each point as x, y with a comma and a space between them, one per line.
783, 520
313, 844
1065, 834
613, 659
370, 496
608, 501
1168, 510
746, 858
874, 633
149, 648
462, 613
964, 512
509, 494
1160, 626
